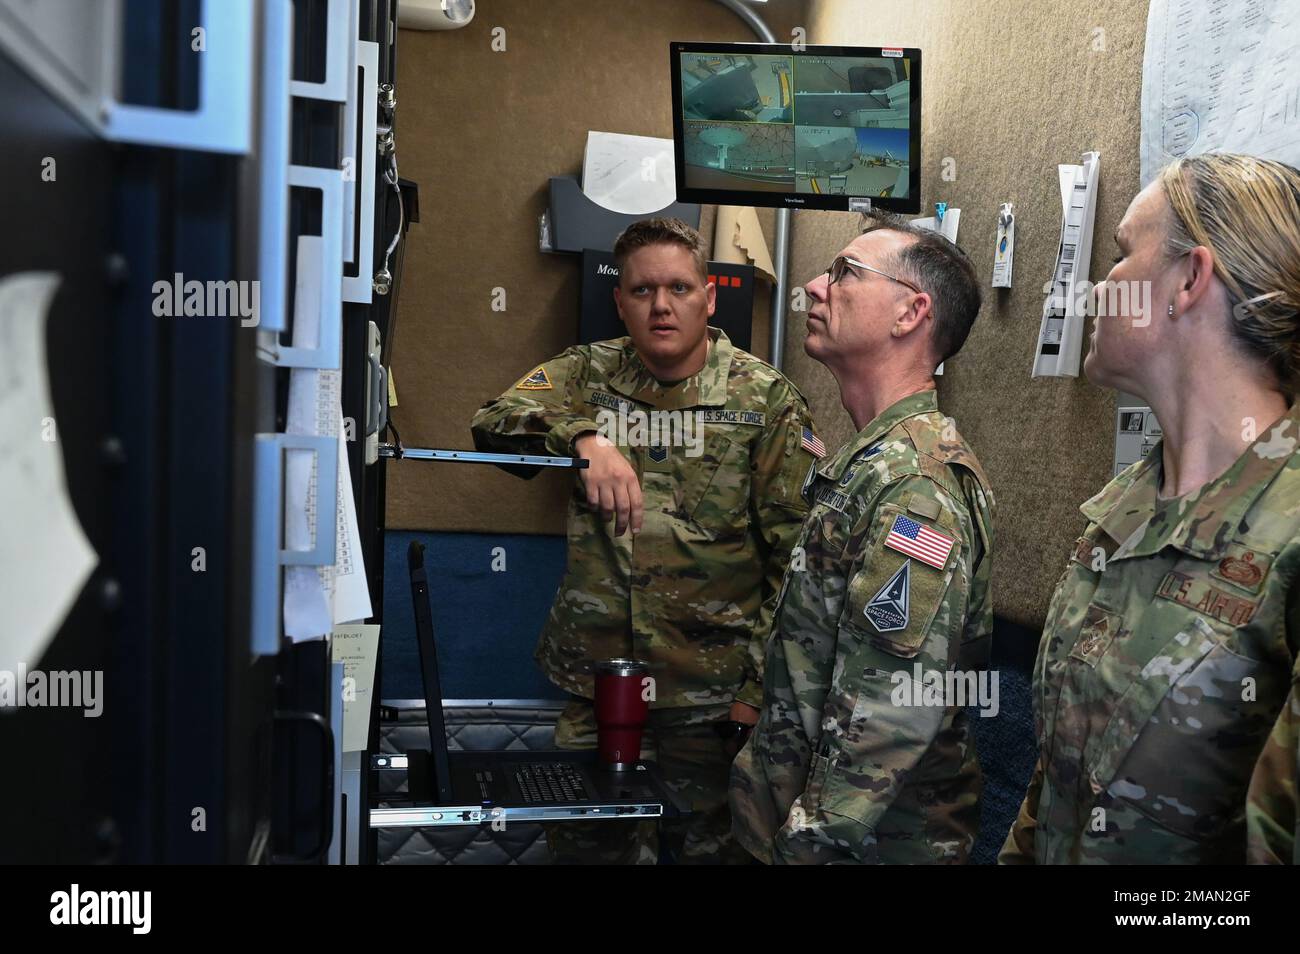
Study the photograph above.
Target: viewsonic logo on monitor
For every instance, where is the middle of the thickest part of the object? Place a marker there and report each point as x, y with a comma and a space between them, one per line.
794, 201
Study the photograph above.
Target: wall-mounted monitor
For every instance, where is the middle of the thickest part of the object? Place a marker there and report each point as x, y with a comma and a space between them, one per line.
820, 127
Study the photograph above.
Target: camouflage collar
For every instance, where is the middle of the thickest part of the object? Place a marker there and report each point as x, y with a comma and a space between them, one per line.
922, 402
708, 388
1203, 522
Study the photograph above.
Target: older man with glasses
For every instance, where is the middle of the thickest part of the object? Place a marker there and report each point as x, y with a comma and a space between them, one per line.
863, 752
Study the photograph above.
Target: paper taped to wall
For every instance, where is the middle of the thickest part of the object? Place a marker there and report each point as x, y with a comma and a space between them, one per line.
1068, 290
45, 557
1220, 76
629, 174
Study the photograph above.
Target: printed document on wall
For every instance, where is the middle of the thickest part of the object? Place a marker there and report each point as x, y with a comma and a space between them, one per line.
1220, 75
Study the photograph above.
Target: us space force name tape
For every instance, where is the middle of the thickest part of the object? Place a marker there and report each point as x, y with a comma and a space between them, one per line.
710, 415
716, 415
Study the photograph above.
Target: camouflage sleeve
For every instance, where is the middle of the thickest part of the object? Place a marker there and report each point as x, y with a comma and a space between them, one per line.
541, 414
1018, 849
1272, 825
902, 621
777, 507
979, 622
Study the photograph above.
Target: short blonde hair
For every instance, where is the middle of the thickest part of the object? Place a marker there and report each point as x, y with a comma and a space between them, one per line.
657, 232
1246, 211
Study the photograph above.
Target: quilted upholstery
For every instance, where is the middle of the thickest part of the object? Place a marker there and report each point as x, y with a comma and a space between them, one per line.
529, 725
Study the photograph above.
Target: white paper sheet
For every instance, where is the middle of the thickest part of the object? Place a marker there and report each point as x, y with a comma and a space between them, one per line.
357, 647
1220, 75
346, 580
45, 558
318, 597
630, 174
306, 602
315, 598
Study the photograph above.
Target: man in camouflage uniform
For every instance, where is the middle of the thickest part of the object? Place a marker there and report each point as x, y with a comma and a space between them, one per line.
860, 754
690, 591
1168, 652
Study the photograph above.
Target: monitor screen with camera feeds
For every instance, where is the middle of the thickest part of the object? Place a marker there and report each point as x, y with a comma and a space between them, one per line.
818, 127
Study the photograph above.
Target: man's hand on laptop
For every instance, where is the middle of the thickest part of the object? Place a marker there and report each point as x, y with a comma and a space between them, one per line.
611, 483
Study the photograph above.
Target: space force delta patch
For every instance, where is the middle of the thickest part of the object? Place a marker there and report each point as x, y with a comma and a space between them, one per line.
888, 609
538, 380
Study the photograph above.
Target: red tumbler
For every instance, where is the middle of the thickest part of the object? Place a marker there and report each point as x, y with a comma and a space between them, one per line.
621, 709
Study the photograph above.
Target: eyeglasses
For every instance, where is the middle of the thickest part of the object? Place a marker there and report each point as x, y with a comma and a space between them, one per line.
843, 262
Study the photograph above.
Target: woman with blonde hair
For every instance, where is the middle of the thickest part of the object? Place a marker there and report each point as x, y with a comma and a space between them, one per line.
1165, 695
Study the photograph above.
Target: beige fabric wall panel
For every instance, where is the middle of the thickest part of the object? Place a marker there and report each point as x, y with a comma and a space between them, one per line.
481, 131
1010, 89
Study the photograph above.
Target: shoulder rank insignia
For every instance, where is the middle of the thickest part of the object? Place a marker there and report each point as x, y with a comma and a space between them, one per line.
917, 540
538, 380
888, 609
852, 470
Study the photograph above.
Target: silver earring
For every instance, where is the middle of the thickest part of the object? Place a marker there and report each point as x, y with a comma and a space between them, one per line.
1171, 309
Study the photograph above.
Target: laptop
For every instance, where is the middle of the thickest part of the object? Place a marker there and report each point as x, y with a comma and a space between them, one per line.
473, 788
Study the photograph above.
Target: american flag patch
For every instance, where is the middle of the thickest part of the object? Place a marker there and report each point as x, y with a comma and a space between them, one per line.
918, 540
812, 443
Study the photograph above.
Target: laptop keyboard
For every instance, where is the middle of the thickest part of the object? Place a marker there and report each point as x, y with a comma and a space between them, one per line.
550, 782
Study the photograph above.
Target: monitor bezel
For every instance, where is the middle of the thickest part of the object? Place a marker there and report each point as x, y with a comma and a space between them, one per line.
782, 200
